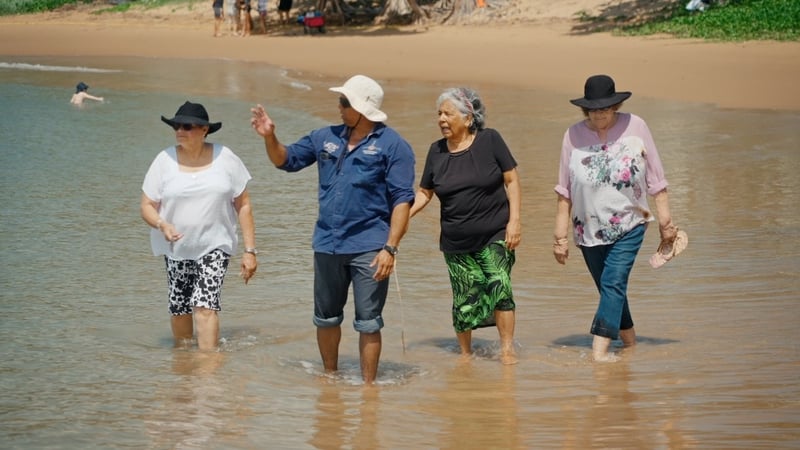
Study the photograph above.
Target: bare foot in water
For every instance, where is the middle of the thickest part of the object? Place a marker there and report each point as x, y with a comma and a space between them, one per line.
465, 358
600, 351
509, 358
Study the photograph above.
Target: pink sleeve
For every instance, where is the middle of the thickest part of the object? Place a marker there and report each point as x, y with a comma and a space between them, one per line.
656, 181
563, 186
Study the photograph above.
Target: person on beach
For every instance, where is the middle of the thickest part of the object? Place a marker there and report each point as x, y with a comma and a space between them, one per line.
366, 186
474, 176
609, 163
231, 17
247, 19
284, 7
218, 16
80, 94
192, 196
262, 15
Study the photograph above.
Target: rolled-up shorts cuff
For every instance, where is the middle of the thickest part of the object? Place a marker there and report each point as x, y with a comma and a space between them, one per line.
368, 326
329, 322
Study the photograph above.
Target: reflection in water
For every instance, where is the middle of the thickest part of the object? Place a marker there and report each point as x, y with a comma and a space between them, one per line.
195, 411
616, 416
477, 407
716, 364
345, 422
612, 421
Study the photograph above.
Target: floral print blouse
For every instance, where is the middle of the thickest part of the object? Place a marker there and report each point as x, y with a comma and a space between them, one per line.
608, 182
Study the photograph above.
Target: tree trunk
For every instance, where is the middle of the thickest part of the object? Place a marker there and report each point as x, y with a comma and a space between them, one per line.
401, 11
461, 9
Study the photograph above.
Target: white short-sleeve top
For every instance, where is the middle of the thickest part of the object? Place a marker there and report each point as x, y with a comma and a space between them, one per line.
199, 204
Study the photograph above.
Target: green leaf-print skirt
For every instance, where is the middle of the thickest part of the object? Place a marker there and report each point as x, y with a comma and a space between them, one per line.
481, 284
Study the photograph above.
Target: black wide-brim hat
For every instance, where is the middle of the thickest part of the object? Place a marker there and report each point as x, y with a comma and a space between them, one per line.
599, 92
192, 113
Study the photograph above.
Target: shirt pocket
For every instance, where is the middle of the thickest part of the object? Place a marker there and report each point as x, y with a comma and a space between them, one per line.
368, 171
327, 169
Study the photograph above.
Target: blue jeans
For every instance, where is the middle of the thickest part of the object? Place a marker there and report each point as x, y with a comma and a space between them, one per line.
610, 266
333, 275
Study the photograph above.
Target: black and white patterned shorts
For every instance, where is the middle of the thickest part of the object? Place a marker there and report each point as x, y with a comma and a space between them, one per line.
196, 284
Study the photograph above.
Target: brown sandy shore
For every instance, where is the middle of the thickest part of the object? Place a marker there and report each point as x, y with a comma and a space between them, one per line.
536, 50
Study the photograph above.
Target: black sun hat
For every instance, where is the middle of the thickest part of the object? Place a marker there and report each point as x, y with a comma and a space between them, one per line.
192, 113
599, 92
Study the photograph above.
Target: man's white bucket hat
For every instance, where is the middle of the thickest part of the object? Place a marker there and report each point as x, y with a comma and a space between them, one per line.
365, 96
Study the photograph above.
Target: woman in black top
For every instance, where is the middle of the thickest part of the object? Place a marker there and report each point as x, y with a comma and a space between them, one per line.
474, 176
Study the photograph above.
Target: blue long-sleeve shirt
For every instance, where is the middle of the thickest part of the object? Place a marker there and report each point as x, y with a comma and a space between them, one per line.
358, 190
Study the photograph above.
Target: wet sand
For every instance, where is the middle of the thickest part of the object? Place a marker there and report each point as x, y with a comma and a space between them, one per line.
541, 53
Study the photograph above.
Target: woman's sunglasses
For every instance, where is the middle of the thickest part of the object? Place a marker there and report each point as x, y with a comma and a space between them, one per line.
344, 102
183, 126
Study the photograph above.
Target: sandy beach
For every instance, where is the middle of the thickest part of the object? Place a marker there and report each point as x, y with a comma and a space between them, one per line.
537, 48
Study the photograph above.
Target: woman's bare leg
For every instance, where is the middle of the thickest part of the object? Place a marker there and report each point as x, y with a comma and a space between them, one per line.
182, 329
628, 337
505, 327
465, 342
207, 329
600, 346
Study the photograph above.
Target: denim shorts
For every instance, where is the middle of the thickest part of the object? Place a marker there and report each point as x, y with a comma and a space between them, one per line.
333, 275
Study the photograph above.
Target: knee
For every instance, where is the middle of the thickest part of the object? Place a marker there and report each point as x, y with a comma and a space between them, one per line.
203, 313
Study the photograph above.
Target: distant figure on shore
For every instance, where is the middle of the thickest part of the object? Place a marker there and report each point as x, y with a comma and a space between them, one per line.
284, 7
262, 15
80, 94
698, 5
247, 21
230, 17
218, 16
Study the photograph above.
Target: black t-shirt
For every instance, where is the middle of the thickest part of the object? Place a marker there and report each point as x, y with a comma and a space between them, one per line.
471, 191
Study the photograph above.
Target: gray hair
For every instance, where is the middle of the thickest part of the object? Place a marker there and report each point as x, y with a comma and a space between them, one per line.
468, 102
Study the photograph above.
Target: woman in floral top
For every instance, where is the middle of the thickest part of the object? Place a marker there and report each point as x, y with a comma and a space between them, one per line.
609, 164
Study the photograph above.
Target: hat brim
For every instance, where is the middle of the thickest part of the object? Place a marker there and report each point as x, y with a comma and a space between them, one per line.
370, 112
213, 127
601, 103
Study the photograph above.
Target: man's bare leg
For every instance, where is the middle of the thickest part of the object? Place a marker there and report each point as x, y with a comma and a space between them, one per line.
328, 343
369, 349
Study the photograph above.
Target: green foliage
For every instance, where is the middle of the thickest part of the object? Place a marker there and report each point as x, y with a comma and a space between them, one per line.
735, 21
8, 7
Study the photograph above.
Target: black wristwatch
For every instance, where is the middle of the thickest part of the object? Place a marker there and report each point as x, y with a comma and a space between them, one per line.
390, 249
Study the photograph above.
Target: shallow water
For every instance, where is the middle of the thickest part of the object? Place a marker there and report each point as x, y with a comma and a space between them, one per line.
87, 360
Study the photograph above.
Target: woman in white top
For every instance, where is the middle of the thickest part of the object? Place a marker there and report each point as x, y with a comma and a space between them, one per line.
192, 196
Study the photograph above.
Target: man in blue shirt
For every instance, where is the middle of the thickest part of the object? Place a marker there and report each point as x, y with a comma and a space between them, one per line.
366, 187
